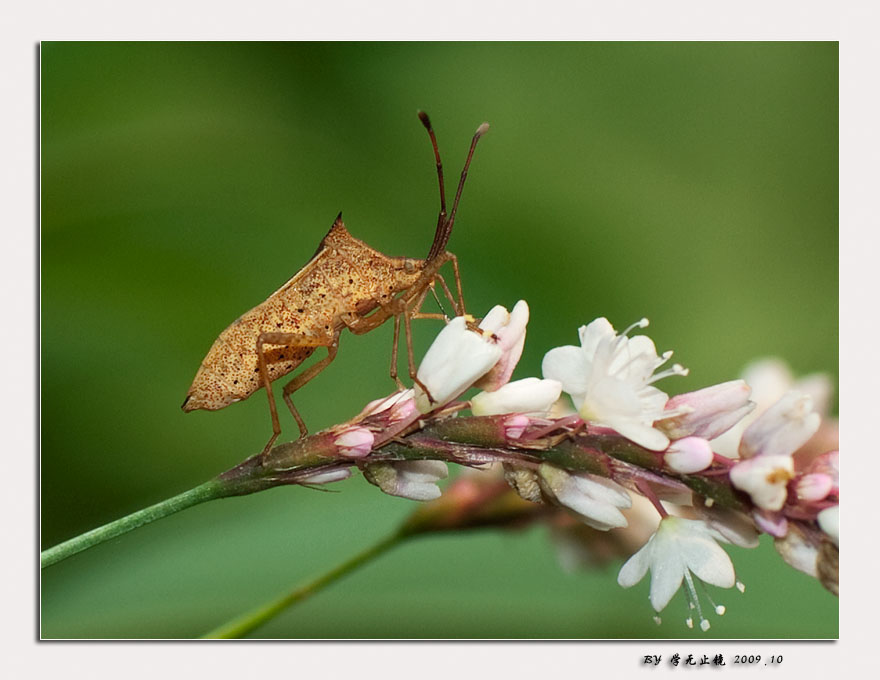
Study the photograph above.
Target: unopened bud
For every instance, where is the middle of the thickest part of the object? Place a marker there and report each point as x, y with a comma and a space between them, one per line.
709, 412
688, 455
595, 500
814, 487
356, 442
515, 425
327, 477
829, 522
413, 479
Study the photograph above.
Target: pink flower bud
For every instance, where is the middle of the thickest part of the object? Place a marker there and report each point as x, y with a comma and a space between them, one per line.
814, 487
403, 409
515, 425
827, 464
709, 412
356, 442
688, 455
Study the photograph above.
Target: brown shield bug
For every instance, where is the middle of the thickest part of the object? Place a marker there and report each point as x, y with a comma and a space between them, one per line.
346, 284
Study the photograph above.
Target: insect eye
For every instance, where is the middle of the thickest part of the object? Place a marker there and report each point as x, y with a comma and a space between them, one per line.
409, 265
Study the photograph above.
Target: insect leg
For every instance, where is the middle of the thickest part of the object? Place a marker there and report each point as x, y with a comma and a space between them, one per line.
417, 304
264, 376
290, 340
409, 354
448, 294
305, 377
452, 258
394, 343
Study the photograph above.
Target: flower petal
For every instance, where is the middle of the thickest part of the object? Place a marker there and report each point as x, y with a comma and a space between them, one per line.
453, 362
666, 578
566, 365
642, 435
593, 333
603, 489
635, 568
708, 561
529, 395
422, 470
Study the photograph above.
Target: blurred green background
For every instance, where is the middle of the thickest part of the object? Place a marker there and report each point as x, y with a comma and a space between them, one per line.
695, 184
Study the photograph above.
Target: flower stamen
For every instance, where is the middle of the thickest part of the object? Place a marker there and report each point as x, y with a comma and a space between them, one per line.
641, 323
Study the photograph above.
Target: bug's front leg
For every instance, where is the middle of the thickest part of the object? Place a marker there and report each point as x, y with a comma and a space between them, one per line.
407, 332
398, 308
360, 325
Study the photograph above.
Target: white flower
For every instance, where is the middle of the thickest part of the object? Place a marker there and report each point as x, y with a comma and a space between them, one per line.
679, 548
595, 500
456, 358
765, 479
609, 378
766, 448
529, 395
829, 522
413, 479
770, 379
510, 331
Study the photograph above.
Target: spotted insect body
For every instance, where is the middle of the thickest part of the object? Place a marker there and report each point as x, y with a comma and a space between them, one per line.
345, 277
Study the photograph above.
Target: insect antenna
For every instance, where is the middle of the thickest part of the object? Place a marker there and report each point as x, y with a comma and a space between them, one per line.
444, 223
442, 217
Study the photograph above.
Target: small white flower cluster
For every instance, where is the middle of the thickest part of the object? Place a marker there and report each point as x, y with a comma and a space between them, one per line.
610, 379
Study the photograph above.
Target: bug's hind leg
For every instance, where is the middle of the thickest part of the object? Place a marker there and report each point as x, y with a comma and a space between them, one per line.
286, 340
304, 377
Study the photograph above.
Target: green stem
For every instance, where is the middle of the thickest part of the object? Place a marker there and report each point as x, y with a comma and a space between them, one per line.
246, 623
210, 490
